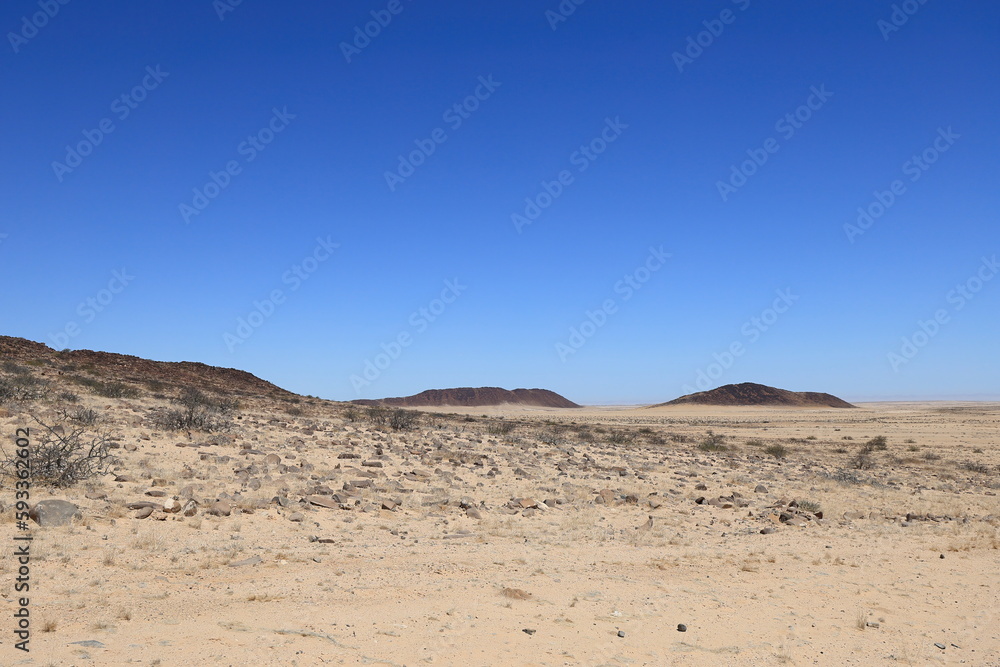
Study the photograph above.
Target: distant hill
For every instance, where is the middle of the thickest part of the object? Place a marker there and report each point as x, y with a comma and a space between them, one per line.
109, 366
476, 397
749, 394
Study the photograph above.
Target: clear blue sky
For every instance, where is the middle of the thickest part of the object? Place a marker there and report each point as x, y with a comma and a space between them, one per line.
309, 129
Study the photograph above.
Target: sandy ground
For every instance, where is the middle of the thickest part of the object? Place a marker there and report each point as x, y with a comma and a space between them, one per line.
602, 574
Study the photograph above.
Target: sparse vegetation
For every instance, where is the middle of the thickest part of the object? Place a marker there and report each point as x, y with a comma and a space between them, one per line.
500, 428
864, 460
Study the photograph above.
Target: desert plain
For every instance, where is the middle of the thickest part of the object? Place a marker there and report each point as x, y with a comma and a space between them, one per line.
299, 531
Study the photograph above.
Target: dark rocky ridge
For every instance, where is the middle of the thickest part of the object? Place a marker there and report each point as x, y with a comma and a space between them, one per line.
126, 368
751, 394
476, 397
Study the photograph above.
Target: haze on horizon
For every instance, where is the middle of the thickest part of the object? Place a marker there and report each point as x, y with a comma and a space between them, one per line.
619, 203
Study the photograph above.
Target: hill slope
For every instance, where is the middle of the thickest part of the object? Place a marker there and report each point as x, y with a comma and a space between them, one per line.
125, 368
476, 397
749, 394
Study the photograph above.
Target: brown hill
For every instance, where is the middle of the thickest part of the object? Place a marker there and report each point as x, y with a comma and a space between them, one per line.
109, 366
476, 397
749, 394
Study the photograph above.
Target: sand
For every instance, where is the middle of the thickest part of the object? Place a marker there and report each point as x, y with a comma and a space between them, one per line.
591, 580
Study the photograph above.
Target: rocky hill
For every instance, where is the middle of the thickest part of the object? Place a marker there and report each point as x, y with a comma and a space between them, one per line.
477, 397
111, 367
752, 394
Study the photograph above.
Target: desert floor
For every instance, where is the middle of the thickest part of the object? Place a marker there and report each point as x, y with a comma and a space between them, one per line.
398, 570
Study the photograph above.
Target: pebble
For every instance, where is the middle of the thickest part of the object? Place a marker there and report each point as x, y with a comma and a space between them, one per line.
940, 646
529, 631
621, 633
681, 627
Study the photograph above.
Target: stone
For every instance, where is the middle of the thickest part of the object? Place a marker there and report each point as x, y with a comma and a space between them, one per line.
681, 627
760, 489
372, 464
96, 495
253, 560
700, 487
143, 512
296, 517
220, 508
156, 493
130, 447
607, 495
322, 501
389, 505
529, 631
171, 506
142, 504
54, 512
529, 512
767, 531
621, 633
190, 508
473, 513
853, 515
272, 459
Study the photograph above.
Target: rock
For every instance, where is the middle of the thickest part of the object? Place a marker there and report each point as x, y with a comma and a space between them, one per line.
529, 631
851, 516
700, 487
272, 459
529, 512
54, 513
190, 508
253, 560
321, 501
681, 627
940, 646
96, 495
156, 493
607, 496
142, 504
143, 513
389, 505
89, 643
621, 633
700, 500
296, 517
372, 464
130, 447
171, 506
760, 489
220, 508
767, 531
473, 513
551, 502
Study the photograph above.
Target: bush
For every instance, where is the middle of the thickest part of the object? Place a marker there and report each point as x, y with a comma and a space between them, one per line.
777, 451
402, 420
69, 397
500, 428
377, 415
21, 389
351, 414
63, 455
619, 438
199, 412
713, 442
84, 416
810, 506
116, 390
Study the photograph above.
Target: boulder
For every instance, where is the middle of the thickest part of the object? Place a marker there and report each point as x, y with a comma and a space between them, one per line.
54, 513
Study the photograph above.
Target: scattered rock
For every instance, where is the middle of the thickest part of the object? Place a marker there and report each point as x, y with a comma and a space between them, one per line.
681, 627
768, 531
473, 513
171, 506
621, 633
296, 517
220, 508
321, 501
144, 512
529, 631
760, 489
156, 493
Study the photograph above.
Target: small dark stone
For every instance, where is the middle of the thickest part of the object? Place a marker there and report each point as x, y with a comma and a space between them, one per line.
681, 627
767, 531
621, 633
940, 646
942, 556
529, 631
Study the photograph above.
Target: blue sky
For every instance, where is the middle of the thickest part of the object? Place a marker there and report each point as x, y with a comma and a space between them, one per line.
274, 150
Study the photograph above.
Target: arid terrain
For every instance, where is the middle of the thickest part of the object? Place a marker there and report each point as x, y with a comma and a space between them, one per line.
251, 526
